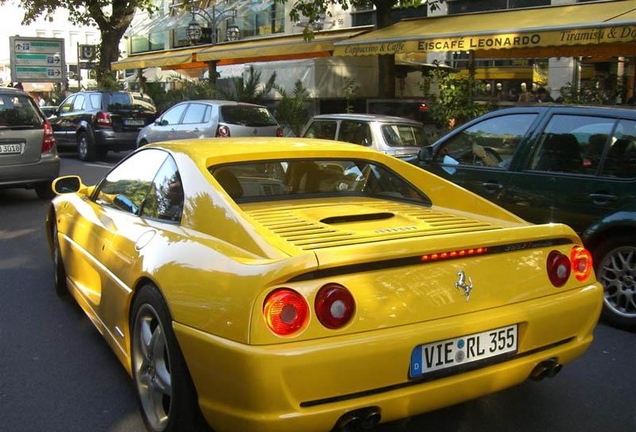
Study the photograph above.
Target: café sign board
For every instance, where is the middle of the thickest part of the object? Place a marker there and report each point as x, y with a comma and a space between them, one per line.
35, 59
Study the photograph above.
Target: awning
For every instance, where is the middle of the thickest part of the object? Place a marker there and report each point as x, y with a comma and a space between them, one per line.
288, 47
565, 27
162, 59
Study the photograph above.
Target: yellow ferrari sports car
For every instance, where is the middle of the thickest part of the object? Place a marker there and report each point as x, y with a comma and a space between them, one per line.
288, 284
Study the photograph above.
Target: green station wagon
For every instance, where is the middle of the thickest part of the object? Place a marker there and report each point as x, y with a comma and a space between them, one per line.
574, 165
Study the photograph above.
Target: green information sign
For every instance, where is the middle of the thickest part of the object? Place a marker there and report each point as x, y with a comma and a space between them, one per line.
37, 59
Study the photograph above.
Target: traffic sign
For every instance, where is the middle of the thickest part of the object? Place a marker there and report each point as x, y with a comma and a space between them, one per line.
37, 59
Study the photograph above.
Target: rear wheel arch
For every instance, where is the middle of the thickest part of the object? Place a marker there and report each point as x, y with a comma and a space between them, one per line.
158, 367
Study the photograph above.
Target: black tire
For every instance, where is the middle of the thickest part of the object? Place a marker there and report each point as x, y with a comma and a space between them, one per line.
86, 150
165, 391
44, 191
59, 272
615, 262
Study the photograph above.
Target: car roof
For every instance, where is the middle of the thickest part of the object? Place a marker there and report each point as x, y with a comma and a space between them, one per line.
221, 102
10, 90
598, 109
221, 150
381, 118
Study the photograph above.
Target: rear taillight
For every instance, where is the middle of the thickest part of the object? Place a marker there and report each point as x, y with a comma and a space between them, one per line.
559, 268
103, 119
222, 131
279, 132
334, 306
48, 142
581, 260
286, 312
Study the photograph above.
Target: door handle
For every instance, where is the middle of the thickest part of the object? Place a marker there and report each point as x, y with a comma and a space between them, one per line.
492, 186
602, 199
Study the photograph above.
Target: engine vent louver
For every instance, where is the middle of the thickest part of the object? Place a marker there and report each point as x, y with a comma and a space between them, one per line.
293, 226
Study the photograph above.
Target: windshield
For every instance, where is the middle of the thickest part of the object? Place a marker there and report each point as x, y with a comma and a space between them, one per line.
313, 178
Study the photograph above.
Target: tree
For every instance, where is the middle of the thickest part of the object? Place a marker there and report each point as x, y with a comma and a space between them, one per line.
314, 10
112, 17
292, 112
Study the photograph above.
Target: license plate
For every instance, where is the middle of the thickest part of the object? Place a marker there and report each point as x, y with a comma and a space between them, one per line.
451, 353
134, 122
10, 148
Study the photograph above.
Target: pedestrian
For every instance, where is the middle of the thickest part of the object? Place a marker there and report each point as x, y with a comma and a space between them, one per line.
543, 95
19, 86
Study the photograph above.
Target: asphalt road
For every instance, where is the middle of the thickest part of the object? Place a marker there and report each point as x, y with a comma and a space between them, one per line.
58, 375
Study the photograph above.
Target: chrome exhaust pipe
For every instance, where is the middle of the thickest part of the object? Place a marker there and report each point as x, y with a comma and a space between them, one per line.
546, 369
358, 420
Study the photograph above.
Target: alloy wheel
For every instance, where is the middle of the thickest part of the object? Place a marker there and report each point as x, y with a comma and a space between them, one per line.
152, 367
617, 273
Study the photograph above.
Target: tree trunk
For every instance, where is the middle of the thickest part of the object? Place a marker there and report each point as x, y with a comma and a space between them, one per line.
109, 51
386, 63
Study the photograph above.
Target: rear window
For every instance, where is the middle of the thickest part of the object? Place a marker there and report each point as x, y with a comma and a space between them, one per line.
396, 135
116, 100
19, 110
313, 178
247, 116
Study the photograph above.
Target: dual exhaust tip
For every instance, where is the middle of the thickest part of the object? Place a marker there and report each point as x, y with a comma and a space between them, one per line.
367, 418
358, 420
546, 369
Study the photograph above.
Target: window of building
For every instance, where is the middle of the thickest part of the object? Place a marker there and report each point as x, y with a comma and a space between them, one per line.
465, 6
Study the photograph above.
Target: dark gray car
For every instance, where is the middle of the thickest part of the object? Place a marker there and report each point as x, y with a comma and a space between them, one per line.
210, 119
28, 154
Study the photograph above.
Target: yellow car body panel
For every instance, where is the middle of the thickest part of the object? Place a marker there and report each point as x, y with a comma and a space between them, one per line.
216, 267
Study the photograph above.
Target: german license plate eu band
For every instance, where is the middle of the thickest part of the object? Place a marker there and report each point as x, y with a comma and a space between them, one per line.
451, 353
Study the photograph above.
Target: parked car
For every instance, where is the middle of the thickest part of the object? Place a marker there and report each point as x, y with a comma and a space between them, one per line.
28, 155
346, 288
95, 122
392, 135
48, 110
210, 119
574, 165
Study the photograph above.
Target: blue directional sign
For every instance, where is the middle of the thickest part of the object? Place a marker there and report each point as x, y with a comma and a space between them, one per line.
37, 59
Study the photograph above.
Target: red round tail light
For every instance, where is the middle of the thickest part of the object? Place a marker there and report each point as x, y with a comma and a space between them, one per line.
334, 306
581, 263
559, 268
286, 312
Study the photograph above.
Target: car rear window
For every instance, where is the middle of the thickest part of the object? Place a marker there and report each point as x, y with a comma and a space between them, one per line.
19, 110
397, 135
313, 178
116, 100
247, 115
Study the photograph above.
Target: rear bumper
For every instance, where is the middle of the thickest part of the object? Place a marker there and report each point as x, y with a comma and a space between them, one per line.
46, 169
309, 385
116, 140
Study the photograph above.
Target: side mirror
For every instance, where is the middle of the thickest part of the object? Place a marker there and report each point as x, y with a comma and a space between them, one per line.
67, 184
426, 154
